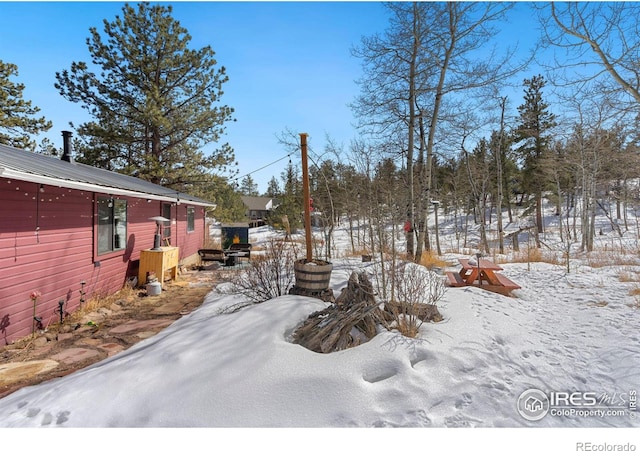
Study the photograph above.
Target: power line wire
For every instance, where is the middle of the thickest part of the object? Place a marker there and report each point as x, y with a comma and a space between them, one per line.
263, 167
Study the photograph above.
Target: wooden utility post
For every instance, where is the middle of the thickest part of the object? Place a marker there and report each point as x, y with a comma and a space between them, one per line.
307, 196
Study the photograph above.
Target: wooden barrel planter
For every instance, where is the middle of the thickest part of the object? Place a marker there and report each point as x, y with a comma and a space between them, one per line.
314, 276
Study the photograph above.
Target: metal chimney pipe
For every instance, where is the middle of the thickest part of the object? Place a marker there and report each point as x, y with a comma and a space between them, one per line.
66, 141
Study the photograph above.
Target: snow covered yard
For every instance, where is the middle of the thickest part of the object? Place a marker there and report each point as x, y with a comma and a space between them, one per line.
568, 333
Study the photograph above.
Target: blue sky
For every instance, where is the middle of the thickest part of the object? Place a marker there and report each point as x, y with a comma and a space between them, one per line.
289, 64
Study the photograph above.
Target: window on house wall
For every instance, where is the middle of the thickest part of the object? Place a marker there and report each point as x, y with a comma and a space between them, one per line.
191, 219
166, 228
112, 224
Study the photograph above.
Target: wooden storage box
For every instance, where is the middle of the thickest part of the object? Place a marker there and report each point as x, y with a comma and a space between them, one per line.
165, 259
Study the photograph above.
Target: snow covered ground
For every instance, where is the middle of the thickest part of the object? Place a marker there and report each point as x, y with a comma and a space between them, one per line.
567, 335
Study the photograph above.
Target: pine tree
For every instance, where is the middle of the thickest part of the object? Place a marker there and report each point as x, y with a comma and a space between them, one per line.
154, 101
535, 122
248, 187
290, 199
17, 123
229, 205
273, 188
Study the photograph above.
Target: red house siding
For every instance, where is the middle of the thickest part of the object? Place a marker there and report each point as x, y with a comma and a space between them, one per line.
48, 243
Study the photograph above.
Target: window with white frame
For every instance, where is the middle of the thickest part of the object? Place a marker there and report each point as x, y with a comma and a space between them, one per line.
112, 224
191, 219
166, 226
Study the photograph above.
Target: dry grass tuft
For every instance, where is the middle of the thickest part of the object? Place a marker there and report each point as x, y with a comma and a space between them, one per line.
629, 275
432, 260
532, 255
599, 259
357, 252
407, 326
635, 291
101, 300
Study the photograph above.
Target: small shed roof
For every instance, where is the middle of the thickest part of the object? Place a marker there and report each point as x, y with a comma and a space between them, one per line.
18, 164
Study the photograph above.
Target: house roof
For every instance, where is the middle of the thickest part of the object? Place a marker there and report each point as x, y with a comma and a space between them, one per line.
18, 164
257, 202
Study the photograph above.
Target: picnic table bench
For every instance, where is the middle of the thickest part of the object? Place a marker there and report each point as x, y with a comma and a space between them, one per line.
483, 274
229, 257
212, 255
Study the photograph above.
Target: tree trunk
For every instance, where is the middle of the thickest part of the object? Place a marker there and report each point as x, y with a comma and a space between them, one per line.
539, 224
410, 141
435, 210
503, 102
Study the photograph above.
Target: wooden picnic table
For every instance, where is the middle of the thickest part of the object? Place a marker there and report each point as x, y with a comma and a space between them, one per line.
483, 274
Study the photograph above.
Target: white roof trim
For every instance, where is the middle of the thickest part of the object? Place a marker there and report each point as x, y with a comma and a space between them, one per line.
26, 177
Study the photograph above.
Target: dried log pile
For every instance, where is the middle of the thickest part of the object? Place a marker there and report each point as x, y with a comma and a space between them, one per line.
352, 320
355, 317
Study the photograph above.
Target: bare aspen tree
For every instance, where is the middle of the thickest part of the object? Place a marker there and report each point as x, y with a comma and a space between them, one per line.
599, 41
429, 52
364, 160
598, 45
477, 164
499, 181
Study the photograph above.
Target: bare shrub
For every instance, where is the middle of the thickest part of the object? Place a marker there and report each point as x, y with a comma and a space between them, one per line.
270, 274
416, 284
415, 294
